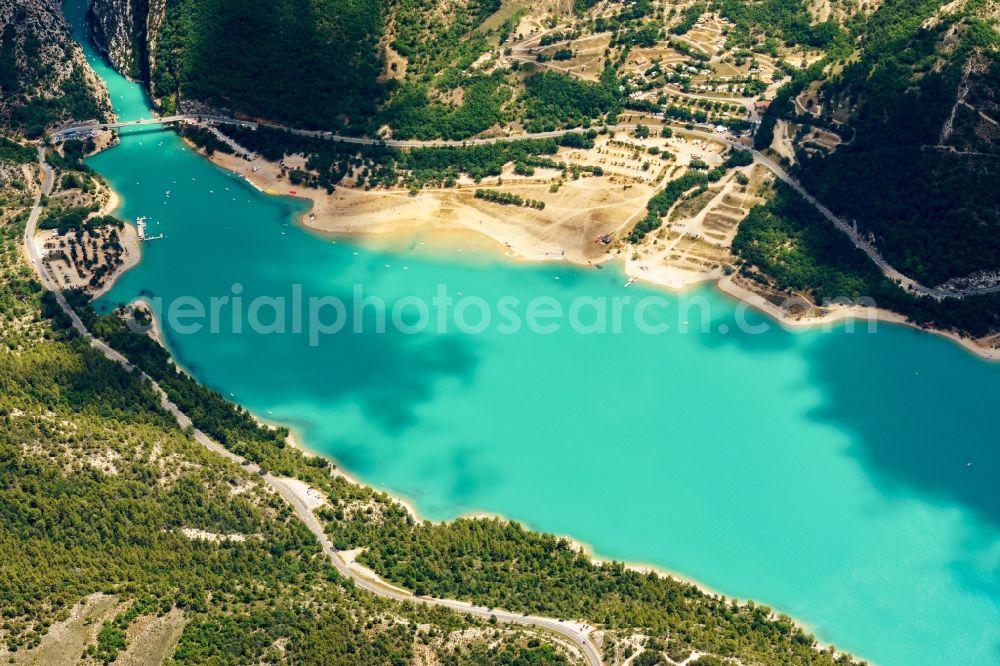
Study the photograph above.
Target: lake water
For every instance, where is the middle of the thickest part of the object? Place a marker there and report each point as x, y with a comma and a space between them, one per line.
849, 479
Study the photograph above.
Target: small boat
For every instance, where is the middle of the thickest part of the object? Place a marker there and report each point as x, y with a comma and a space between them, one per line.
630, 281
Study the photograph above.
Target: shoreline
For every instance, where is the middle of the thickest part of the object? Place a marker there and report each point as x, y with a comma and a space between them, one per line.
728, 286
131, 250
131, 243
514, 233
295, 440
672, 279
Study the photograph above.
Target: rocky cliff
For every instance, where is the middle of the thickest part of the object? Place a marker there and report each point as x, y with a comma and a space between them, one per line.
126, 31
44, 77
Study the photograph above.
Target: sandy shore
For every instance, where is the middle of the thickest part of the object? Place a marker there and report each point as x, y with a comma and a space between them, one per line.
130, 258
443, 213
129, 237
131, 253
582, 211
130, 241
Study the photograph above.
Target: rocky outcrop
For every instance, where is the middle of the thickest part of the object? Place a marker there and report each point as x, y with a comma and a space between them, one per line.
126, 31
154, 20
118, 29
44, 77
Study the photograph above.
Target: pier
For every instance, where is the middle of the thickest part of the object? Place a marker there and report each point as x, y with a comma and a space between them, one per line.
140, 225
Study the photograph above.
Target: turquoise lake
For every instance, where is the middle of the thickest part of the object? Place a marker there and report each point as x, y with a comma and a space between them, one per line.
848, 479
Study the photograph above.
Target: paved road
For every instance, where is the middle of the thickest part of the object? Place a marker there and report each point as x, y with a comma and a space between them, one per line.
566, 632
873, 254
887, 269
67, 132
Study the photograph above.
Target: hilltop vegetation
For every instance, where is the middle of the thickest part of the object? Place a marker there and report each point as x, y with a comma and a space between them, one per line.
508, 566
555, 100
437, 96
379, 166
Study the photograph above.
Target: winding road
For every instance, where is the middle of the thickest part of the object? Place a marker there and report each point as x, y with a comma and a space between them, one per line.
567, 633
911, 285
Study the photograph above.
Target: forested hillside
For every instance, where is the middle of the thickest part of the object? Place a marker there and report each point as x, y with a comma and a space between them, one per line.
918, 104
43, 76
787, 245
312, 64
